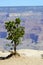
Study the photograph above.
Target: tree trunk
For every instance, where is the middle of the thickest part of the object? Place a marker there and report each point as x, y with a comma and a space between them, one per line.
15, 48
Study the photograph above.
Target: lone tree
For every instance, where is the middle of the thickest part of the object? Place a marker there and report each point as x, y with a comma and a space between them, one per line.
15, 31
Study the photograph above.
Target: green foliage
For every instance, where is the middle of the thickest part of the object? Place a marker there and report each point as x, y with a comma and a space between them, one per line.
15, 31
8, 45
17, 21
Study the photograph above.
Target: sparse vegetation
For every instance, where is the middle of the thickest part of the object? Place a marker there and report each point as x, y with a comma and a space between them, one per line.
15, 32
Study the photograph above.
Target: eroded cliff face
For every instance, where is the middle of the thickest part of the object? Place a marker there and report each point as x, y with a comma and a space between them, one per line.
32, 20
